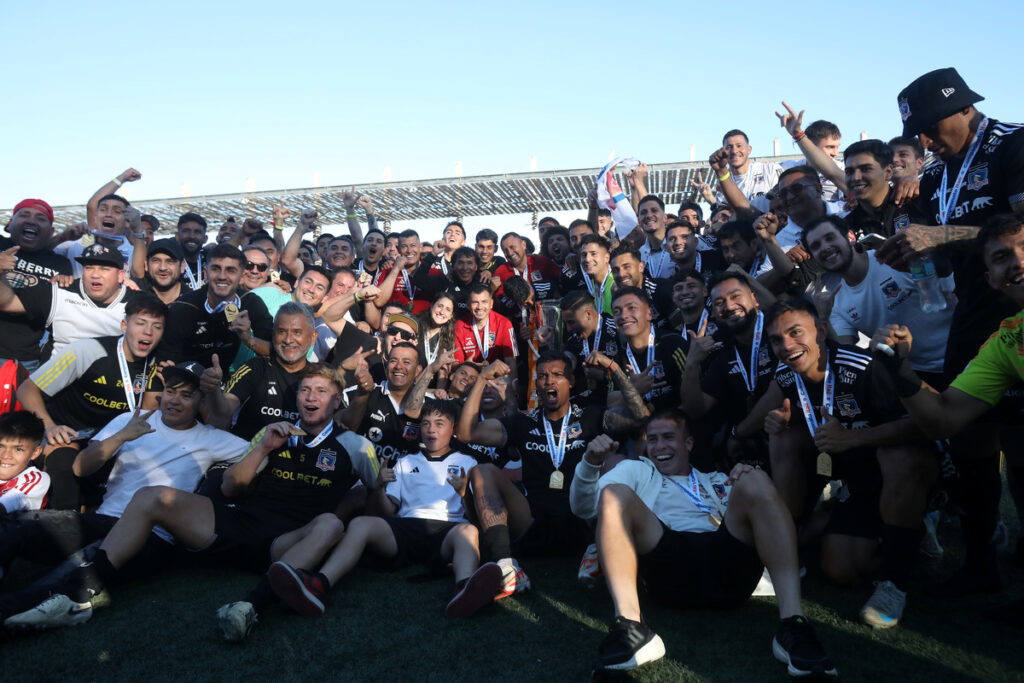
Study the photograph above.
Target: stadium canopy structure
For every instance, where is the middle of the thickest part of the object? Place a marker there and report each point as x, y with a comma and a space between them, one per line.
442, 198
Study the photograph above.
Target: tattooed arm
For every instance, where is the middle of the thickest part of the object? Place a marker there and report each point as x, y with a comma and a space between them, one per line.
413, 401
617, 420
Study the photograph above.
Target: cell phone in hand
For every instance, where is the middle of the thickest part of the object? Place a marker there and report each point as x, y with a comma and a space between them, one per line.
872, 240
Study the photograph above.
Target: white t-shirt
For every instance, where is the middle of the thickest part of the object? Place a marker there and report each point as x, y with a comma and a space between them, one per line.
26, 491
166, 457
887, 297
760, 177
73, 316
75, 248
789, 236
421, 489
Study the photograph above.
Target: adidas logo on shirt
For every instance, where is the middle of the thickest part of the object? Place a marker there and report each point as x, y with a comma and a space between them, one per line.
272, 389
100, 380
414, 469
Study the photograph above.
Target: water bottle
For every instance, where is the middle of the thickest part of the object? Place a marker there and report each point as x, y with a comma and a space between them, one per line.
922, 270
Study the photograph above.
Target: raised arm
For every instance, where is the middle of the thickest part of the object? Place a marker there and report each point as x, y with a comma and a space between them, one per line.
352, 218
719, 162
280, 214
470, 429
110, 187
290, 255
98, 453
822, 163
636, 181
614, 420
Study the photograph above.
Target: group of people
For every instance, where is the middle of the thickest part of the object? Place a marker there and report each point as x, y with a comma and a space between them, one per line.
691, 409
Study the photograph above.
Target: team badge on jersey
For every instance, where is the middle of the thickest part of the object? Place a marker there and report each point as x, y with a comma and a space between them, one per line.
719, 490
411, 432
847, 405
535, 276
901, 222
453, 470
374, 434
904, 109
657, 370
977, 178
890, 289
326, 460
574, 430
611, 349
762, 357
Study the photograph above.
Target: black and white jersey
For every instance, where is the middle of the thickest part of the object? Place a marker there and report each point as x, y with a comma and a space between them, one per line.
421, 489
22, 334
82, 385
668, 365
70, 314
526, 433
301, 482
723, 378
267, 393
193, 332
387, 427
608, 344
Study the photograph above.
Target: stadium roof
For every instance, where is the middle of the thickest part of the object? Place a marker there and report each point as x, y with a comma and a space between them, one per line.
441, 198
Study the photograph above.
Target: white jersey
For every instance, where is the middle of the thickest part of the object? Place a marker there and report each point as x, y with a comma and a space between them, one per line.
887, 297
71, 250
165, 457
760, 177
421, 489
74, 316
26, 491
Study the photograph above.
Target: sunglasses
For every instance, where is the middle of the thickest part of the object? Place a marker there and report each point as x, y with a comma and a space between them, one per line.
261, 267
400, 333
792, 190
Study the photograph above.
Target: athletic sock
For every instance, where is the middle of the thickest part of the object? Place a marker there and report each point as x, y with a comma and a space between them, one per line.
899, 549
261, 595
495, 543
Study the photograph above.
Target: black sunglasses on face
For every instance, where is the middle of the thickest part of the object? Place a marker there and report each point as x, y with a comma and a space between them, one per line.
261, 267
400, 333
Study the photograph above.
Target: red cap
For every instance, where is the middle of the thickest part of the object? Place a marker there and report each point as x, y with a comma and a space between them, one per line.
37, 204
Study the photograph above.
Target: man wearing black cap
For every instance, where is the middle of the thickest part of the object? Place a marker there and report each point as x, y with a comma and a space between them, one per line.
165, 447
25, 260
161, 272
980, 174
92, 306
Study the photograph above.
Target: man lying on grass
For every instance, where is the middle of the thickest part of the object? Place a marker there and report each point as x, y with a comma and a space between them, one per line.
424, 520
293, 475
698, 540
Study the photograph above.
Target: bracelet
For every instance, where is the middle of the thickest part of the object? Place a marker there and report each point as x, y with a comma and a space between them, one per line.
116, 182
350, 215
799, 136
722, 178
356, 296
139, 235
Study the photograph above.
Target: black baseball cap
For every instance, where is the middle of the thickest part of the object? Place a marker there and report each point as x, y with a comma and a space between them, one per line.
188, 370
932, 97
167, 245
100, 255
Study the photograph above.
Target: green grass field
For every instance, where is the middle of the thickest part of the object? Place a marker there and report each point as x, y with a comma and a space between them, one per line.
384, 627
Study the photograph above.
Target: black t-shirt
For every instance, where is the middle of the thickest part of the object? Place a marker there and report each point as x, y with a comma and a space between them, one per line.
425, 277
527, 435
994, 181
21, 333
267, 392
593, 390
886, 220
669, 364
146, 284
723, 378
93, 392
300, 482
495, 262
193, 333
391, 434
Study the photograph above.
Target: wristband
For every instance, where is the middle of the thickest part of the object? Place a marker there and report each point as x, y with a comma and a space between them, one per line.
350, 215
356, 296
116, 182
724, 177
799, 136
139, 235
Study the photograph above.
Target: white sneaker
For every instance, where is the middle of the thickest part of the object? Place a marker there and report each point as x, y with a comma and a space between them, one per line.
884, 608
236, 620
590, 569
765, 588
57, 610
514, 579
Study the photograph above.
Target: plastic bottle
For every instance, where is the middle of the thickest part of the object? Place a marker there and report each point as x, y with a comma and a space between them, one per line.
933, 299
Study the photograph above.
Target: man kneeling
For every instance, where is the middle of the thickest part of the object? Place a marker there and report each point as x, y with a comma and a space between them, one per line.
698, 540
424, 520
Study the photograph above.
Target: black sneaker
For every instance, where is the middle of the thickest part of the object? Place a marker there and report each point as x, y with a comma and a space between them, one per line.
796, 646
302, 591
629, 644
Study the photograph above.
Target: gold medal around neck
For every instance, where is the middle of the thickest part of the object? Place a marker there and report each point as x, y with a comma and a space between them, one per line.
274, 276
88, 239
231, 312
824, 464
296, 431
557, 480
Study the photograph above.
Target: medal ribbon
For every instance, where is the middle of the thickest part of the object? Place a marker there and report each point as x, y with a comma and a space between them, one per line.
650, 357
483, 344
692, 491
221, 306
326, 432
127, 383
947, 203
557, 451
195, 281
826, 400
750, 381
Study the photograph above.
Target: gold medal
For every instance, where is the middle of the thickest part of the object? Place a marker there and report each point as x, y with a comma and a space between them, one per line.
88, 239
557, 480
296, 431
274, 276
715, 521
231, 312
825, 464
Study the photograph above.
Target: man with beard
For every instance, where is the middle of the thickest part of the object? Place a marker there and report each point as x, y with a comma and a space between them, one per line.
874, 295
262, 390
165, 265
741, 368
651, 215
396, 283
629, 270
460, 278
539, 272
90, 382
25, 260
215, 319
92, 306
191, 235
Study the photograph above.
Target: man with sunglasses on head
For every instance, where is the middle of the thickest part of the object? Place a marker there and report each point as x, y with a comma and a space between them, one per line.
163, 270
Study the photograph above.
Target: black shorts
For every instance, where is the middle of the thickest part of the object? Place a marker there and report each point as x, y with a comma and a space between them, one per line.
701, 570
418, 541
554, 536
244, 534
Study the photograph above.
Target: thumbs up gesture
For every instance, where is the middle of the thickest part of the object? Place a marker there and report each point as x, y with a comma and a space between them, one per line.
831, 436
777, 421
212, 377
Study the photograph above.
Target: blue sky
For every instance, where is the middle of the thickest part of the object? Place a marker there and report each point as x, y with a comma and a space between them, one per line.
214, 95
